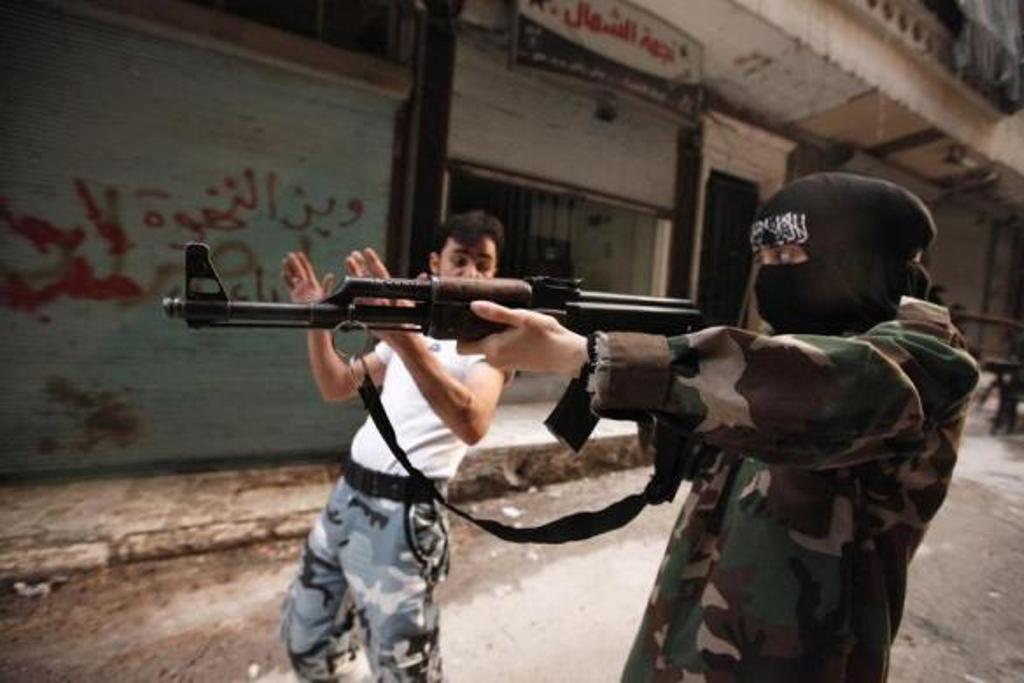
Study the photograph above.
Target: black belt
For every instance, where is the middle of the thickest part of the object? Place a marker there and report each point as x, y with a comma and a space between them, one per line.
390, 486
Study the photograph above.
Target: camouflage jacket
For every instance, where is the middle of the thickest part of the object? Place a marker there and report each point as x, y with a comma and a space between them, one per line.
789, 559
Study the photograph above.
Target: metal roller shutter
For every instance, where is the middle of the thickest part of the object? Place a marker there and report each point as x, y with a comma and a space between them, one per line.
118, 147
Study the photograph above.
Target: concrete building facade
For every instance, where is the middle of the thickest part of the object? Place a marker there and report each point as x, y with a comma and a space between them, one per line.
629, 146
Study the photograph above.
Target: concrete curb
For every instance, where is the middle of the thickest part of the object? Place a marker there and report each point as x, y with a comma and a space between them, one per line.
490, 472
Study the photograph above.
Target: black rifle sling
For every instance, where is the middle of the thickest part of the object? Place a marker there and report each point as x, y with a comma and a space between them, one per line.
574, 527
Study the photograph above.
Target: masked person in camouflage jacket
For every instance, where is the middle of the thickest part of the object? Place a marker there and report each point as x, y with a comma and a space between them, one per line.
831, 443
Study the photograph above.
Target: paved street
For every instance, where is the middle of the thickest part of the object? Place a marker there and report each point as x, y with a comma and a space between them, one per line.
523, 613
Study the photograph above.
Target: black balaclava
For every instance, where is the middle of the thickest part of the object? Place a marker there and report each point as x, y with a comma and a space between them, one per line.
861, 235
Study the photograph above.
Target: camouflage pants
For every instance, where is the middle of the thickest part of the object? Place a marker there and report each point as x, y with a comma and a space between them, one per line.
373, 561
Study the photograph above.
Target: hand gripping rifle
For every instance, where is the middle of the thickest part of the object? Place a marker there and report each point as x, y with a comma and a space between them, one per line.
439, 308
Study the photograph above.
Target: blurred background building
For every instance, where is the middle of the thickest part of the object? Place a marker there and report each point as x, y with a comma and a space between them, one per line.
626, 143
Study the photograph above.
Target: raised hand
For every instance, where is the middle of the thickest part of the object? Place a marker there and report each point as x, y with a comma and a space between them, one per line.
299, 277
367, 263
533, 341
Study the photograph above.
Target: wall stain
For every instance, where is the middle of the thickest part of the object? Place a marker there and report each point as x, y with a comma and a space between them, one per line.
47, 445
752, 63
105, 417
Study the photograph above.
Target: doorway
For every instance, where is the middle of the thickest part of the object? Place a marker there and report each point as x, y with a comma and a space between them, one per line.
730, 205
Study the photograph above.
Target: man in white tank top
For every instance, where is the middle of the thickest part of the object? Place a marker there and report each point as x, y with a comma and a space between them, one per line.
379, 548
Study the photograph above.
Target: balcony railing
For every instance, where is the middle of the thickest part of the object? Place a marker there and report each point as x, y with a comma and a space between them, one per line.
976, 40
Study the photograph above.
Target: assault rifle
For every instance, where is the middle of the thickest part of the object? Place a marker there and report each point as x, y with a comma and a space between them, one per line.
439, 307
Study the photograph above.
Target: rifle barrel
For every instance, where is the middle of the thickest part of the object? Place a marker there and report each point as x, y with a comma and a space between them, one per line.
587, 317
318, 315
633, 300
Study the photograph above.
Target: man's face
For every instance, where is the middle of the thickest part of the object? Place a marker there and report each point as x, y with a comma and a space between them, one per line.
458, 260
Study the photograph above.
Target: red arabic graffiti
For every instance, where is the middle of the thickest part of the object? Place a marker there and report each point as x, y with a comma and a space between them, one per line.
236, 203
77, 279
105, 219
355, 207
78, 282
251, 194
42, 234
583, 16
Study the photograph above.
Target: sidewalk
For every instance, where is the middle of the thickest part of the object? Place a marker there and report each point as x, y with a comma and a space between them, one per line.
52, 529
47, 530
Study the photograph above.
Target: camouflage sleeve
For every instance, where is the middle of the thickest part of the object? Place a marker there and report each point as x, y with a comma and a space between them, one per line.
811, 401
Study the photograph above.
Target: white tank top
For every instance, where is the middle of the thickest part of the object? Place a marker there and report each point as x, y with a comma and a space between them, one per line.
429, 443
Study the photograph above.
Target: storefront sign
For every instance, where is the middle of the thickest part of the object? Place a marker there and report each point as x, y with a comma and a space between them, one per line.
612, 43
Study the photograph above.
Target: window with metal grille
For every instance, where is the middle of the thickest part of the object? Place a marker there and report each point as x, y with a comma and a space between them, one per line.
565, 234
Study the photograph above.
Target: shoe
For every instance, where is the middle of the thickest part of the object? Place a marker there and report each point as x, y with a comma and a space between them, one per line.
351, 667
